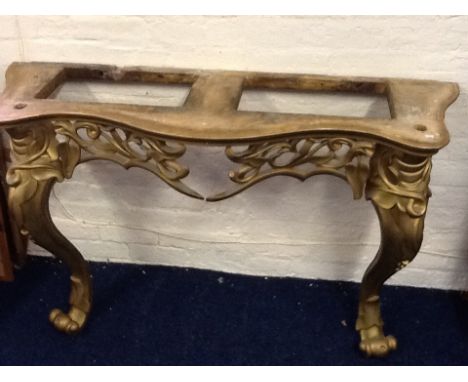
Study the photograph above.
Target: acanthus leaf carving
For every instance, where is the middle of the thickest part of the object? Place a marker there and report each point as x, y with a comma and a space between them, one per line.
127, 147
401, 180
51, 149
38, 157
301, 158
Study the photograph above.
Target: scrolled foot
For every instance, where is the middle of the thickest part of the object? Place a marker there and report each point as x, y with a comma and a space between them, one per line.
70, 323
375, 344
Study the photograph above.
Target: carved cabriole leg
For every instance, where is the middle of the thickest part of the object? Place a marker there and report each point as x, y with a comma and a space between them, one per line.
398, 189
47, 151
39, 160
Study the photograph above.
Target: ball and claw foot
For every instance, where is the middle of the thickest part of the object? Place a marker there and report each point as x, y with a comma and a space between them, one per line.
375, 344
70, 323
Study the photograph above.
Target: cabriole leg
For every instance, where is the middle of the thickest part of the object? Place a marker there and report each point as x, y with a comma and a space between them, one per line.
39, 160
398, 188
44, 233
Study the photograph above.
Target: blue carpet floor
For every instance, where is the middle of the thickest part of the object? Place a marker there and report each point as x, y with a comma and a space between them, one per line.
146, 315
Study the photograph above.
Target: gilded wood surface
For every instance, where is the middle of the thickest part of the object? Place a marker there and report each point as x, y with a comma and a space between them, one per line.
388, 159
417, 107
398, 186
300, 158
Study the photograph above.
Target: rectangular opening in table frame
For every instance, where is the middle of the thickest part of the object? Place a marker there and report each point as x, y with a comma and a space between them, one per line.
346, 104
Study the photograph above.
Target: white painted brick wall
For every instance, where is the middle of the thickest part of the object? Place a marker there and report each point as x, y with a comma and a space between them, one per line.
280, 227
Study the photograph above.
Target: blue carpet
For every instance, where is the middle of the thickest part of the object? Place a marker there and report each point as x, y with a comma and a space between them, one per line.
147, 315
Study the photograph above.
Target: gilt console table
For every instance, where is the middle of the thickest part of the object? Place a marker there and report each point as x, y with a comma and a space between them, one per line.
387, 160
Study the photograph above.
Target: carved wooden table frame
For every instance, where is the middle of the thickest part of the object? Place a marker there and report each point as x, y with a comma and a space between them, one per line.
388, 160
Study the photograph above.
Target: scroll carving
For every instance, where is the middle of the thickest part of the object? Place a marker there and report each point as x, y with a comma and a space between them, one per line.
52, 149
37, 156
128, 148
301, 158
401, 180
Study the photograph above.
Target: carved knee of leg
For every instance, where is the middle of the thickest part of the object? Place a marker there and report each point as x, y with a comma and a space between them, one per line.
398, 186
38, 160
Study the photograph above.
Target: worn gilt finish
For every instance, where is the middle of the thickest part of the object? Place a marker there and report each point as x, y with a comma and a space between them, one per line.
388, 160
398, 186
301, 158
